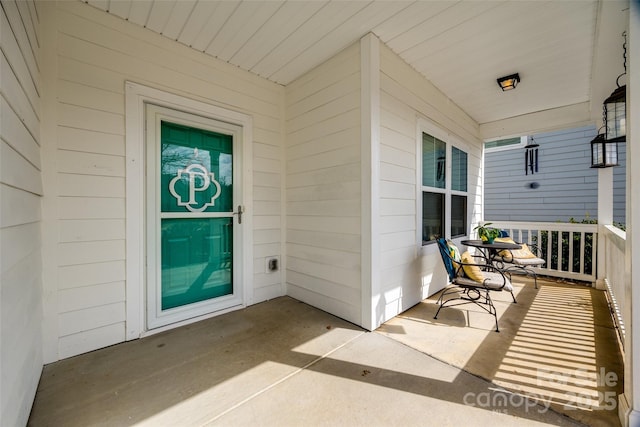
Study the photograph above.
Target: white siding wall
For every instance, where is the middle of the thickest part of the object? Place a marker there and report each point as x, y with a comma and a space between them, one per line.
323, 186
94, 54
409, 273
20, 213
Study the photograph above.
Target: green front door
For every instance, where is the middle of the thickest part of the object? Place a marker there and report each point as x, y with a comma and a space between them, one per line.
192, 204
196, 177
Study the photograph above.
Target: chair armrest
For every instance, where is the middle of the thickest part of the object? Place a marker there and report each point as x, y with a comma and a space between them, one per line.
535, 250
485, 268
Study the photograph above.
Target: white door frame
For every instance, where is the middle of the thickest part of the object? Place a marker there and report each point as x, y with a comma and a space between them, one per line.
136, 97
155, 316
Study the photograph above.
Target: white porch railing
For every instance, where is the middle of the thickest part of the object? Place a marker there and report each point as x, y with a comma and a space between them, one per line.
570, 250
613, 250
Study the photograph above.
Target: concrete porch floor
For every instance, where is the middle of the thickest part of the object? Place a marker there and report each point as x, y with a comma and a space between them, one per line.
284, 363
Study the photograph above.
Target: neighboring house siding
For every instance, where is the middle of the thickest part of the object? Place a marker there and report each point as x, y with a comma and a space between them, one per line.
95, 54
323, 186
568, 187
409, 273
20, 214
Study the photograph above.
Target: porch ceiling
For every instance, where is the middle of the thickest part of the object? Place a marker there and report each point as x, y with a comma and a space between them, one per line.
566, 52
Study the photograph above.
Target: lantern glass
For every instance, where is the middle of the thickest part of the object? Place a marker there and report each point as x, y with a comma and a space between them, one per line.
615, 112
616, 120
604, 153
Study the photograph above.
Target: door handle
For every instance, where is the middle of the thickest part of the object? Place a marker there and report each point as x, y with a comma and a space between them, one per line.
239, 213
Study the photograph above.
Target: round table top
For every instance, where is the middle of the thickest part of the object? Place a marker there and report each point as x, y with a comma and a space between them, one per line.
495, 245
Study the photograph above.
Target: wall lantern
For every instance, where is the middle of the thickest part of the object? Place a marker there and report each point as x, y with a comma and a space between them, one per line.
604, 153
615, 112
615, 106
509, 82
604, 147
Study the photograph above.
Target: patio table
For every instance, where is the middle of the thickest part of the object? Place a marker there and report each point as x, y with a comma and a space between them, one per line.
489, 250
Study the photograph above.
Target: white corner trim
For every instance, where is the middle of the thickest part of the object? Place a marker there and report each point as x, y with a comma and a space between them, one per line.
370, 180
136, 96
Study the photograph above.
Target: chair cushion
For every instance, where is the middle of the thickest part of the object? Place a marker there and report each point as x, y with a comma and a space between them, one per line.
473, 272
506, 239
492, 281
523, 253
528, 261
454, 253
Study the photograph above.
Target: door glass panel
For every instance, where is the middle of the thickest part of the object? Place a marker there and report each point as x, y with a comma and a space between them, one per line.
196, 202
197, 170
196, 260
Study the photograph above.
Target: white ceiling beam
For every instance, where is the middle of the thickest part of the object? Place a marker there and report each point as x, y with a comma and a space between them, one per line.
541, 121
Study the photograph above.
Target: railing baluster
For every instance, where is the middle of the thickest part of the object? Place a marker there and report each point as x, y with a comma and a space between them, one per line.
594, 254
549, 248
559, 250
583, 246
570, 243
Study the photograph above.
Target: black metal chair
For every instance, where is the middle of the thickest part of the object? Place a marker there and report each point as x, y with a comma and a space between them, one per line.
466, 290
521, 261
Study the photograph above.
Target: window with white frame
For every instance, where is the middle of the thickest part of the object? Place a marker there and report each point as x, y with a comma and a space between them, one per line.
444, 189
505, 144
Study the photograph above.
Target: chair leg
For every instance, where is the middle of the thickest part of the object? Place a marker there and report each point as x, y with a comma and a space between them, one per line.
492, 309
526, 271
437, 312
468, 298
441, 301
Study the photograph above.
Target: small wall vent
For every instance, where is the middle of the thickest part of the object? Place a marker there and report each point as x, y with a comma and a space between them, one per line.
272, 264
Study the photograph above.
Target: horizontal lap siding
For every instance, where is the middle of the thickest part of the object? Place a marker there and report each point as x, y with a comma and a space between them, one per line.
21, 355
323, 186
96, 54
567, 187
405, 274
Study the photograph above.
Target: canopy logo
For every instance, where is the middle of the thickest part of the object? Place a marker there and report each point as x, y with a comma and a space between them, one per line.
198, 179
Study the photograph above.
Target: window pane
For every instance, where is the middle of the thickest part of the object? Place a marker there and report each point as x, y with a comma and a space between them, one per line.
502, 143
432, 216
433, 161
458, 170
458, 216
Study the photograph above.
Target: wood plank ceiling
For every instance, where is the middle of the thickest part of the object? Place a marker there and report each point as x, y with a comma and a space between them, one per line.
460, 46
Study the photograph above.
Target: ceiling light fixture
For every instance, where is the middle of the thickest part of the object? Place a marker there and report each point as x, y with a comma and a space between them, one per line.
509, 82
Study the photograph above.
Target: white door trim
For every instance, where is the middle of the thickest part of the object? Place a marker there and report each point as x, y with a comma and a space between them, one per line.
136, 96
156, 317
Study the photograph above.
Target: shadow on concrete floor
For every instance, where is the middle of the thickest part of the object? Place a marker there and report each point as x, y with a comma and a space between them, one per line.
279, 363
557, 346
